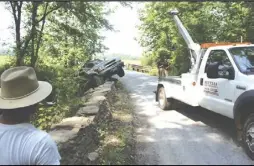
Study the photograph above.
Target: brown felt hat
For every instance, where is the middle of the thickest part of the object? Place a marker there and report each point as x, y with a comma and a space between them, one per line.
20, 88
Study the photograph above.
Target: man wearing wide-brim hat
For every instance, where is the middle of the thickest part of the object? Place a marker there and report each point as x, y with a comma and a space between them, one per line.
20, 142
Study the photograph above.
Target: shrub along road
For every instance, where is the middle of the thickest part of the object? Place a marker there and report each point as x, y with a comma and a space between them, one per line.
181, 136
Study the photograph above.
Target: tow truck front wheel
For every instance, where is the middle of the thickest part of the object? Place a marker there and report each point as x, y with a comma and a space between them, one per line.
248, 136
164, 104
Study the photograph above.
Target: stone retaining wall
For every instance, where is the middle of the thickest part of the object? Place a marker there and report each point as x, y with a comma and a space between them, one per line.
68, 128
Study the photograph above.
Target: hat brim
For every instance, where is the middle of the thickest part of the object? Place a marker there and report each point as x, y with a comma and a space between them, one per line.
43, 91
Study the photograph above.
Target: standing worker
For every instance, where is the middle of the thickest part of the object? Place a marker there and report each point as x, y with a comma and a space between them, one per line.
162, 66
20, 142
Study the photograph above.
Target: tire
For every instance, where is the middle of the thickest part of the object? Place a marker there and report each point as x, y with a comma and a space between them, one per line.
164, 104
120, 72
97, 81
248, 125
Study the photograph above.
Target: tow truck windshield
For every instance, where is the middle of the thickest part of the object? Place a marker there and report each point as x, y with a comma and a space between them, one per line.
244, 58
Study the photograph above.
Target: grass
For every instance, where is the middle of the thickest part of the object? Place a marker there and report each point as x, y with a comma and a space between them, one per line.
118, 138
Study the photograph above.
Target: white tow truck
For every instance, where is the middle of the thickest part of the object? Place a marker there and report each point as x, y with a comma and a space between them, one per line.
221, 80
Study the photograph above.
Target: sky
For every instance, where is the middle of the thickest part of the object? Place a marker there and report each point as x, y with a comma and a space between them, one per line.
6, 22
124, 19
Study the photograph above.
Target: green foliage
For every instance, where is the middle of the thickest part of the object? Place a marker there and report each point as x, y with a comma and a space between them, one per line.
153, 72
206, 22
75, 32
65, 88
6, 62
148, 60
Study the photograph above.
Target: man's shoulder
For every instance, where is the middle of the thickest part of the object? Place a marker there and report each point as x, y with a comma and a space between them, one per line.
23, 130
41, 136
37, 136
44, 149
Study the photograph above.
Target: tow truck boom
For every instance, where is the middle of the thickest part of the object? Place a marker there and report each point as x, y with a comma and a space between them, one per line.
195, 49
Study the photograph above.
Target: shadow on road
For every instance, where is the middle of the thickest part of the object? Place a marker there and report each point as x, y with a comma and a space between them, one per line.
185, 135
214, 120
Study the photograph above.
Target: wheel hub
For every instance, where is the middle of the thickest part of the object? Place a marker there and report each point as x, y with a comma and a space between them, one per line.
250, 138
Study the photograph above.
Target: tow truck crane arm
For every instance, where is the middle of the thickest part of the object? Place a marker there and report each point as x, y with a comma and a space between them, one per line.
195, 49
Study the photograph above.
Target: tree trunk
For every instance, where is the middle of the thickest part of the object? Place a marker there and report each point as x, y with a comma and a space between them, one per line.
33, 31
21, 46
16, 11
40, 35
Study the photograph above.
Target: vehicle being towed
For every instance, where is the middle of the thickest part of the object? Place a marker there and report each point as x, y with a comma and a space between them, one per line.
98, 71
106, 69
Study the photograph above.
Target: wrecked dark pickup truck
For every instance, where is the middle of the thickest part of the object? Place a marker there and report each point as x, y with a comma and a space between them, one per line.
105, 69
98, 71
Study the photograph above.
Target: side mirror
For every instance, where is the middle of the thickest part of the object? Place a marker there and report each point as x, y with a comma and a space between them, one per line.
212, 71
217, 71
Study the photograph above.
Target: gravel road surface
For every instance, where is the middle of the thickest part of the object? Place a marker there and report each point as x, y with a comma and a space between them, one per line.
182, 136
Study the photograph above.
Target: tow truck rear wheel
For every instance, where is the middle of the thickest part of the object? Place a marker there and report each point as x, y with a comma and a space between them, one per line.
248, 136
164, 104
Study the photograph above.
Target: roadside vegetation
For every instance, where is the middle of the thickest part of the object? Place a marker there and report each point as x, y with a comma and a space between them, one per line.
118, 136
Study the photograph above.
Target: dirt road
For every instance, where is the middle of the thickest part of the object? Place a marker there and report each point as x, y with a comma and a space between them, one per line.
181, 136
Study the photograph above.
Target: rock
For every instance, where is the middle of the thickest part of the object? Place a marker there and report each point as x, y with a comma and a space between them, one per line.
88, 110
96, 99
84, 99
60, 136
72, 122
108, 85
97, 93
68, 128
93, 156
104, 115
89, 92
102, 91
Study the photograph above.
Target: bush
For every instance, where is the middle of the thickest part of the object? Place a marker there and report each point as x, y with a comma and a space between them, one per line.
65, 89
6, 62
153, 72
148, 60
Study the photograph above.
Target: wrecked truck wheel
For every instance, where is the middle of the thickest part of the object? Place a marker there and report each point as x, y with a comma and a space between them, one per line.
248, 136
120, 72
97, 81
164, 104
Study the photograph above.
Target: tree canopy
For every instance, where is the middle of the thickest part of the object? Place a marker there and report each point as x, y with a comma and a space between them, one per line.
205, 21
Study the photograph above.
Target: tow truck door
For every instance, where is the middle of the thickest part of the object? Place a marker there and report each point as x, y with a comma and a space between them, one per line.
216, 93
